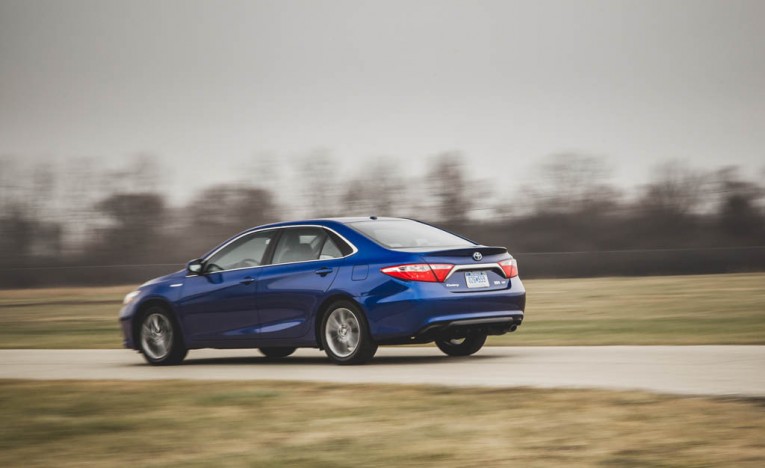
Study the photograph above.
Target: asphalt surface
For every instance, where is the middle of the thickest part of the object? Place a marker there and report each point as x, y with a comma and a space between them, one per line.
693, 370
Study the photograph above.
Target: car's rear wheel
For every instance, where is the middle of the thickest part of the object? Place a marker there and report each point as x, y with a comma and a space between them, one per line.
345, 334
462, 346
276, 353
160, 338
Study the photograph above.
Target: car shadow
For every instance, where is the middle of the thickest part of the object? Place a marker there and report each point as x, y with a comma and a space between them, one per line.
323, 360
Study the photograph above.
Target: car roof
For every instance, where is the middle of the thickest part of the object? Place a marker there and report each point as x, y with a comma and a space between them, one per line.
325, 221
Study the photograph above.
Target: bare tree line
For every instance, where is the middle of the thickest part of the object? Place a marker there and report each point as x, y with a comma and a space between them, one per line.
86, 225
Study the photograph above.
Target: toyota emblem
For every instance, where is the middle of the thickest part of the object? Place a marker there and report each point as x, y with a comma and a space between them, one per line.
477, 256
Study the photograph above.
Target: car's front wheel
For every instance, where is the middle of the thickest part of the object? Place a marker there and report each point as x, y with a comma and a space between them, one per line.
462, 346
276, 353
160, 338
345, 334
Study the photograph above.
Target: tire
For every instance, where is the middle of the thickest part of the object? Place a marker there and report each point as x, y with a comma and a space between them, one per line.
345, 334
159, 338
462, 347
276, 353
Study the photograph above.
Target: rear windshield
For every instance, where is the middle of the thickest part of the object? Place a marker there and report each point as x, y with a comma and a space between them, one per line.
407, 234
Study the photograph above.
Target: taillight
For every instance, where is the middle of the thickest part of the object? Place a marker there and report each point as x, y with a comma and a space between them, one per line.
441, 270
509, 267
431, 273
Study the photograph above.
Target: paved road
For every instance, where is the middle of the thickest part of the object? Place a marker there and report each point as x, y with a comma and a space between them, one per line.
700, 370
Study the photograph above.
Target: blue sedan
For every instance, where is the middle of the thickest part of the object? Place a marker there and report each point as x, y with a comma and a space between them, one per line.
344, 285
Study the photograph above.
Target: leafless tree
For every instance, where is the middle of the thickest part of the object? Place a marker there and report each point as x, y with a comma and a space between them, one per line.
321, 182
739, 213
676, 191
571, 183
380, 189
140, 174
136, 221
223, 210
449, 188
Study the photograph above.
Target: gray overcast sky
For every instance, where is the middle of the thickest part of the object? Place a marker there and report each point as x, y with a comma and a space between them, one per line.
208, 84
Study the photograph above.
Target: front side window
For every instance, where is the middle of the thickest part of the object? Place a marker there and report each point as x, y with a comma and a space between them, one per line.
245, 252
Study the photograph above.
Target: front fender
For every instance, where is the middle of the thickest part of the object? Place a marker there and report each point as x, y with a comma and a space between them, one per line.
165, 294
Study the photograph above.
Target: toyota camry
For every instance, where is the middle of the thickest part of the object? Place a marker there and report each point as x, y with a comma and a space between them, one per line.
343, 285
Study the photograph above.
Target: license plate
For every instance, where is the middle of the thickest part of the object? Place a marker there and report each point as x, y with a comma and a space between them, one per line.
476, 279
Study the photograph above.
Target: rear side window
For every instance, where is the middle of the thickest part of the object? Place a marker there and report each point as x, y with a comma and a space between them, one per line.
330, 250
303, 244
335, 247
404, 234
299, 245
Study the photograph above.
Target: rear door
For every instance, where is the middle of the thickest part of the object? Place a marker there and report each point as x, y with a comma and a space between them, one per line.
304, 265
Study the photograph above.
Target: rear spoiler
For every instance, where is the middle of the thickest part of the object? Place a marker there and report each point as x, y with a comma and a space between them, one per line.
469, 251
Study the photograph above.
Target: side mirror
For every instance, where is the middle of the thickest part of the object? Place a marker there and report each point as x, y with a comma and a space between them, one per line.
195, 267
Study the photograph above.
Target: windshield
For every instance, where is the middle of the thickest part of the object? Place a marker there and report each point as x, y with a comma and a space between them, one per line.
406, 234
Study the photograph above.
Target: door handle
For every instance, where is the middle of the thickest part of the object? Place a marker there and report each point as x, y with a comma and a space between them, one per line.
323, 271
247, 280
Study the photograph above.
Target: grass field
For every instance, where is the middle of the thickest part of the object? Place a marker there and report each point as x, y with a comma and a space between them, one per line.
679, 310
706, 309
278, 424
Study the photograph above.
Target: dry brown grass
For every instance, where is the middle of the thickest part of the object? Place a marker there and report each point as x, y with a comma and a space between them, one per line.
700, 309
61, 317
277, 424
47, 295
704, 309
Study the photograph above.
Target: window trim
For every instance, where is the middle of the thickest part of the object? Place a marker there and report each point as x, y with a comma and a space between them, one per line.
279, 231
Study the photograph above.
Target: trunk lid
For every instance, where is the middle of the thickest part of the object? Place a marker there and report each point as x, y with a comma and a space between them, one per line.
475, 269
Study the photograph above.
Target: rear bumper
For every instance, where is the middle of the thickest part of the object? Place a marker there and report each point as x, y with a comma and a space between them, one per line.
491, 326
461, 327
421, 312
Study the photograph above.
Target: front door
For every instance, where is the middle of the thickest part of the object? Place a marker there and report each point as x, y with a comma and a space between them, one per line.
220, 304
